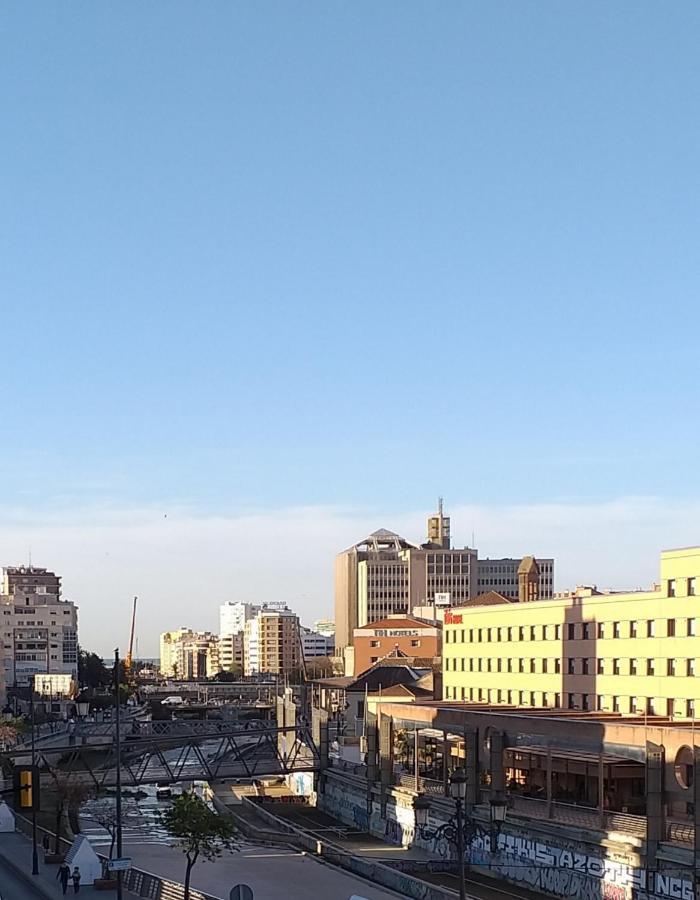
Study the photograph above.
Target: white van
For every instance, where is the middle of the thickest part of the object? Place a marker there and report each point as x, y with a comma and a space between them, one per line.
172, 701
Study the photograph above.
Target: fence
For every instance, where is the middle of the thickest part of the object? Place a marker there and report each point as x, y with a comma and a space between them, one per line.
142, 884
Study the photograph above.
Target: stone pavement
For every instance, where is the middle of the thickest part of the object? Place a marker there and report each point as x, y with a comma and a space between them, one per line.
16, 855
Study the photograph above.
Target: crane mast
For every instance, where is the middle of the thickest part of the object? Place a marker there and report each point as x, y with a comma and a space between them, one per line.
127, 661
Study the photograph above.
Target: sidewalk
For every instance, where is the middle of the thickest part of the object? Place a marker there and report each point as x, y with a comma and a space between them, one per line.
16, 853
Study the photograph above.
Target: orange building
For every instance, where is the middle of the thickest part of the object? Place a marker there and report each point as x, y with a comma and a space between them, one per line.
395, 635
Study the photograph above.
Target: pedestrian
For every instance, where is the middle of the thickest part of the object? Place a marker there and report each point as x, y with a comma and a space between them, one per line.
76, 880
63, 875
45, 842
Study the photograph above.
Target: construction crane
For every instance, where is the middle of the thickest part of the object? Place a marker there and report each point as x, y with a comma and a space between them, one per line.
128, 660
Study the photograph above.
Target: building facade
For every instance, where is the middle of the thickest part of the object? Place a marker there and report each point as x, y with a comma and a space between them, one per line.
233, 616
231, 652
632, 653
189, 654
398, 635
272, 641
385, 575
39, 628
502, 575
316, 645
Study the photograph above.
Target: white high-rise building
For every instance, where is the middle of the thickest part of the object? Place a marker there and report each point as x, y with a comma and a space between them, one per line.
39, 630
234, 615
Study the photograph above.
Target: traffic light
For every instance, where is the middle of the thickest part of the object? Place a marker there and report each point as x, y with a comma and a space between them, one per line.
27, 787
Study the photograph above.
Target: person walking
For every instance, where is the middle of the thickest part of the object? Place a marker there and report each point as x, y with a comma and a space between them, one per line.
63, 875
76, 880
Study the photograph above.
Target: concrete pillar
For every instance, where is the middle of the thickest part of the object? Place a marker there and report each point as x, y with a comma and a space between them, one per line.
696, 818
445, 761
471, 766
550, 799
496, 763
656, 824
386, 758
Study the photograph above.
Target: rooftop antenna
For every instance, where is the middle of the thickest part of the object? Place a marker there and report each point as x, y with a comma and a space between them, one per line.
30, 557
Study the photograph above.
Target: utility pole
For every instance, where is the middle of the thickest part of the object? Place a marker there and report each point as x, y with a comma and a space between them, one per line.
35, 787
118, 747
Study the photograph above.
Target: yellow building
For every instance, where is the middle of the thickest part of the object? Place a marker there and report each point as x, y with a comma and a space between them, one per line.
630, 653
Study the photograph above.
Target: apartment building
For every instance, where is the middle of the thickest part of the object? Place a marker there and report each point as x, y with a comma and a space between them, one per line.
189, 654
231, 652
316, 644
39, 628
234, 615
385, 575
622, 652
272, 642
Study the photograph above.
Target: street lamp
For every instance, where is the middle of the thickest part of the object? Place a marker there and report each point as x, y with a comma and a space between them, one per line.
454, 830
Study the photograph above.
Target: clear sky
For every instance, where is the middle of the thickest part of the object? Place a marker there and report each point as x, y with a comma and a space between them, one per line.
258, 257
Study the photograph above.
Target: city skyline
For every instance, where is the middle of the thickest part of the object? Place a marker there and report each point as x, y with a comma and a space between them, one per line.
613, 545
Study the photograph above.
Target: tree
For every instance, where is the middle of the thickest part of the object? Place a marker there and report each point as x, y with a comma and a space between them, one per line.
104, 812
197, 831
92, 672
70, 796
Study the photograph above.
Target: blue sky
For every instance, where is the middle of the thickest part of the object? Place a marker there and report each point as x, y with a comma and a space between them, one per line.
274, 255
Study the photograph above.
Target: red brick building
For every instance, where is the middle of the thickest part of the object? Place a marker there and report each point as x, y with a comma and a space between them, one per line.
406, 634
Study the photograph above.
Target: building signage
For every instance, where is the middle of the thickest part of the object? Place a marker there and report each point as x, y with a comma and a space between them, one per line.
443, 599
398, 632
453, 618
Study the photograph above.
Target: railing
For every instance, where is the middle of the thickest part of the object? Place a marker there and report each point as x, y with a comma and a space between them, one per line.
143, 884
580, 816
680, 832
344, 765
425, 785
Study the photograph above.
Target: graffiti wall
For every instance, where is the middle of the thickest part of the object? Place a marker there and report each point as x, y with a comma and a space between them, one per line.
568, 871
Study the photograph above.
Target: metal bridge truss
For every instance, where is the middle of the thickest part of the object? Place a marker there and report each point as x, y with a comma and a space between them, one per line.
206, 757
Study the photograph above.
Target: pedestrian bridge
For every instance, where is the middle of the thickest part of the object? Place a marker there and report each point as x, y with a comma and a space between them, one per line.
174, 751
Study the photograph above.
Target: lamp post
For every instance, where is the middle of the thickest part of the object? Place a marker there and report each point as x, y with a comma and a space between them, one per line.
454, 830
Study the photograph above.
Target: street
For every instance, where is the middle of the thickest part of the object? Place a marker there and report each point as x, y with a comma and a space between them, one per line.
13, 888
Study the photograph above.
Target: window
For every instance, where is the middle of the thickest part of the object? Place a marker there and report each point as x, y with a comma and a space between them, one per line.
671, 585
533, 635
415, 643
557, 632
601, 631
571, 666
690, 667
616, 629
521, 633
670, 667
480, 635
651, 666
585, 664
651, 629
532, 666
521, 665
690, 709
692, 587
545, 666
616, 667
480, 663
633, 629
600, 703
616, 704
376, 643
511, 634
634, 705
585, 702
571, 632
557, 667
587, 631
571, 701
463, 661
462, 638
670, 627
691, 627
510, 665
471, 635
600, 667
633, 667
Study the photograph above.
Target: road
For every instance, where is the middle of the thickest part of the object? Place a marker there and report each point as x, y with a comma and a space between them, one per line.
13, 888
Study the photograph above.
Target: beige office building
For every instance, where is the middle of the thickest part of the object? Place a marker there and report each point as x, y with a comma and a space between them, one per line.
385, 575
632, 653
